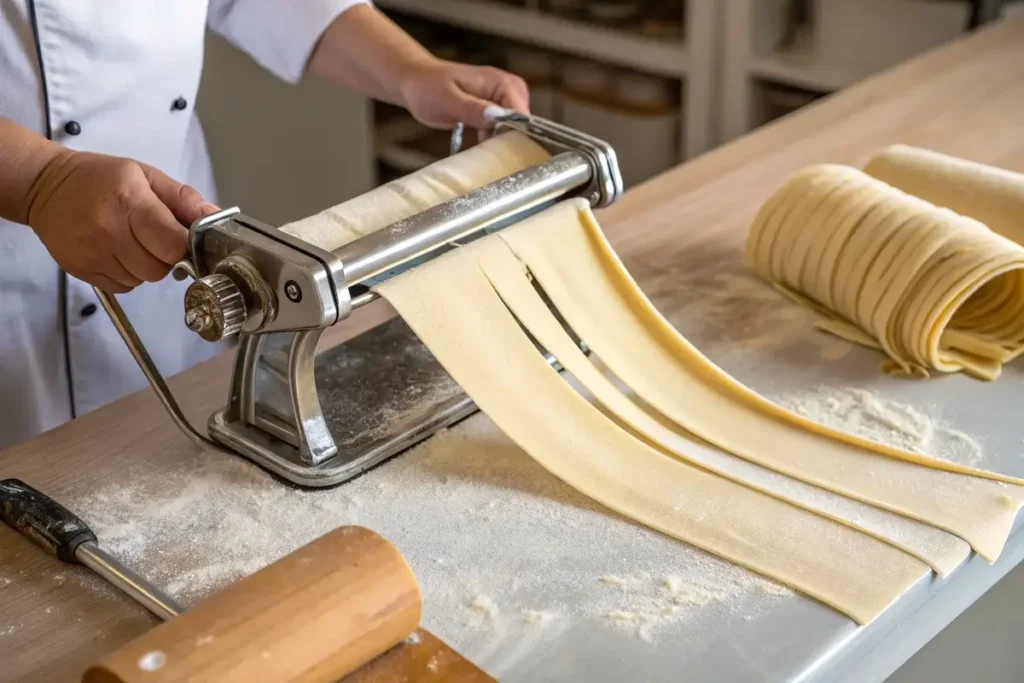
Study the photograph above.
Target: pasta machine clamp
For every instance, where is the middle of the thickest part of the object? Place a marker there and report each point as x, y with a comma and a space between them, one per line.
319, 419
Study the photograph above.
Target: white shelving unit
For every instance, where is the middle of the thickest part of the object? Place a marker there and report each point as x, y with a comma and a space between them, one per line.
803, 69
662, 57
692, 60
848, 41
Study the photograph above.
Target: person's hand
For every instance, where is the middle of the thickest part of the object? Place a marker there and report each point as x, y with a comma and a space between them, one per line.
112, 222
440, 94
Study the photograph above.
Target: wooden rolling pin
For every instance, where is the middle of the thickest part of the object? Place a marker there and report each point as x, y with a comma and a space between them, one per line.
347, 605
315, 616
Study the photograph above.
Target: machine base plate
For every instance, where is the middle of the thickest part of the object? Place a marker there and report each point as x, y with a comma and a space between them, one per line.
381, 393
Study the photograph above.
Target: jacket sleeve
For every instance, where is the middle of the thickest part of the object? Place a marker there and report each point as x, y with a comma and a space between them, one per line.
279, 34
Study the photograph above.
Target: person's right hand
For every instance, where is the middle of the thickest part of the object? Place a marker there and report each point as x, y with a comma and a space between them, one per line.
112, 222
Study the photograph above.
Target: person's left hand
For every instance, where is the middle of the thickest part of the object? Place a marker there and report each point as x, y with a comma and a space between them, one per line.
440, 94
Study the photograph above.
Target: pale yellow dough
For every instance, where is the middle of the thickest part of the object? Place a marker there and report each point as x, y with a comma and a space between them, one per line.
453, 306
478, 341
994, 196
933, 289
588, 284
446, 179
510, 279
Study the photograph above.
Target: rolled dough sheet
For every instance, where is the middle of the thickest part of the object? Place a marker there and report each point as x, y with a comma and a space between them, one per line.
473, 334
943, 551
603, 305
994, 196
491, 160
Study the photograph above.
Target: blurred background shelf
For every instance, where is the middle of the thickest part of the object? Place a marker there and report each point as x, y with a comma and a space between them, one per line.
662, 80
627, 48
638, 73
802, 68
820, 46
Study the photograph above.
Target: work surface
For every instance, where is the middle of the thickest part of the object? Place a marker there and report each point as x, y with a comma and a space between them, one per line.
681, 235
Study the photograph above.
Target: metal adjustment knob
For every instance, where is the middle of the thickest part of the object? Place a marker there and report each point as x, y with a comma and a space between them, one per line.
214, 307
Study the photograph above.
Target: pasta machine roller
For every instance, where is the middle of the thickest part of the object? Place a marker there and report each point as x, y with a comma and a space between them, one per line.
318, 419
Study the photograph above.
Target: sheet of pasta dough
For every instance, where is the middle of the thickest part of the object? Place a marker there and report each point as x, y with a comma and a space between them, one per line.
448, 178
508, 275
566, 251
496, 158
473, 335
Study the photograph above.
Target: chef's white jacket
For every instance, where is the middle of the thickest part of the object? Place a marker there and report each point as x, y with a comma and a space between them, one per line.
118, 77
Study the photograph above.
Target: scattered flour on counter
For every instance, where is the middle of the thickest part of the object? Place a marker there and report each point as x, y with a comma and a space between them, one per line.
532, 616
627, 617
720, 303
612, 580
863, 413
484, 610
651, 604
492, 537
926, 541
770, 587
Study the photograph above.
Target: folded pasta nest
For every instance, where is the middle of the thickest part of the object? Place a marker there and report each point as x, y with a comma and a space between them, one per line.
933, 289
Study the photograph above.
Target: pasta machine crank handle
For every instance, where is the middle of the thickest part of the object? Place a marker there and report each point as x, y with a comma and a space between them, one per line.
156, 380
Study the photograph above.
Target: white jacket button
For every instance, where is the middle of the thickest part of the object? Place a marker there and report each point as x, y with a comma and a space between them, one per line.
72, 128
179, 104
88, 310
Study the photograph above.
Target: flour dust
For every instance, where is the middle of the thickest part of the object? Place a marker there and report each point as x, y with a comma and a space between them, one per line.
861, 412
507, 556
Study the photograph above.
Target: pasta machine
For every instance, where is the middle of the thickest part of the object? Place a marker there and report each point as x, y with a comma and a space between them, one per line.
319, 419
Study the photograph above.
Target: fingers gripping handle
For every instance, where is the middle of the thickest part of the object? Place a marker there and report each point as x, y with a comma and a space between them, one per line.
491, 113
43, 520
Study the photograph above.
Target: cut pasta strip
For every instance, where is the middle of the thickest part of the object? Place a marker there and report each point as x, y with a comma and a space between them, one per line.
474, 333
943, 551
595, 294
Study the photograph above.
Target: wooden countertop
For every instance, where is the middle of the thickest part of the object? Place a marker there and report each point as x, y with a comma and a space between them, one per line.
965, 99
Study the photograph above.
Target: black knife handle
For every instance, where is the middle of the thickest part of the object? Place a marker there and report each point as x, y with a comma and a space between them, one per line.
42, 520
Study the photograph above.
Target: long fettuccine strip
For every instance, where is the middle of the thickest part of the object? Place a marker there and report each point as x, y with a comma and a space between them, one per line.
474, 334
509, 278
580, 272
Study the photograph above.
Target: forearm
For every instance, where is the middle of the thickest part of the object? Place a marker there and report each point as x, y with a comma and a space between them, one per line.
23, 157
365, 51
